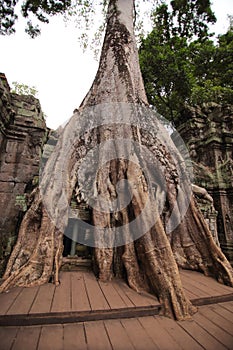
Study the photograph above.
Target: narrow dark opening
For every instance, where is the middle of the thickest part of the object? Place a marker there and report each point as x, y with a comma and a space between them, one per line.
76, 240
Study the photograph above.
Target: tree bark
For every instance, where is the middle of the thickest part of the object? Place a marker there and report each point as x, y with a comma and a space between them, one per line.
151, 260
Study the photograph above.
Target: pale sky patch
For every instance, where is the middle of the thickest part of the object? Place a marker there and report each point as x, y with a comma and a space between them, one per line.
55, 64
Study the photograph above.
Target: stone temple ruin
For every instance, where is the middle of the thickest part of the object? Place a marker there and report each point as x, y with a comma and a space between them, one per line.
207, 132
22, 135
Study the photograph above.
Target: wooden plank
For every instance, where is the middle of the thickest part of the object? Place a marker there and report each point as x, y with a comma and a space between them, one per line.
189, 291
139, 337
158, 333
97, 338
228, 306
195, 285
95, 294
111, 295
214, 317
27, 338
79, 298
193, 288
212, 300
196, 331
74, 337
7, 337
151, 299
74, 317
43, 300
62, 295
209, 281
218, 333
51, 338
23, 302
116, 284
118, 336
228, 315
178, 334
136, 298
8, 298
202, 284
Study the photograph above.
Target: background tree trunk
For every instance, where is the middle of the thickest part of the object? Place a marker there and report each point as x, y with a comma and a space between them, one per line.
151, 260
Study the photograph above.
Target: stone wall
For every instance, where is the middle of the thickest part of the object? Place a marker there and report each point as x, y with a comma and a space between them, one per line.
22, 134
208, 133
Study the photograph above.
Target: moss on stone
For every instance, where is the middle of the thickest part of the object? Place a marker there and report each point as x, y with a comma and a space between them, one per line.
21, 201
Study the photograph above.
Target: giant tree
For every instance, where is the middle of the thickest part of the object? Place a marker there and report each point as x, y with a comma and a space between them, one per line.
115, 155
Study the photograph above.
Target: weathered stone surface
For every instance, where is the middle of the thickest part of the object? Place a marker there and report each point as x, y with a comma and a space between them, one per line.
208, 133
22, 134
206, 205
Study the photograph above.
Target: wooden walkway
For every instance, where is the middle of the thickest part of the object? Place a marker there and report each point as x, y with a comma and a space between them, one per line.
80, 297
210, 329
83, 313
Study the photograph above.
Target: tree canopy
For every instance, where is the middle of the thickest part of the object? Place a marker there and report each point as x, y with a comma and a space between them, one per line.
185, 18
40, 9
37, 12
180, 62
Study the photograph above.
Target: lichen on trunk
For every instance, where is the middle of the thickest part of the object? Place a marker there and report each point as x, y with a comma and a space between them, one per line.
151, 259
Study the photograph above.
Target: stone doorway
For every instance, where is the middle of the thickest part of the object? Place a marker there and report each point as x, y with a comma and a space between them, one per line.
77, 255
72, 242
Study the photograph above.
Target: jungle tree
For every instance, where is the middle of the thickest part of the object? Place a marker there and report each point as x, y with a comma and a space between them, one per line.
40, 9
181, 64
115, 155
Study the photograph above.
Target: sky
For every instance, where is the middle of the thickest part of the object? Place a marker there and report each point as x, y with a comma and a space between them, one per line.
59, 69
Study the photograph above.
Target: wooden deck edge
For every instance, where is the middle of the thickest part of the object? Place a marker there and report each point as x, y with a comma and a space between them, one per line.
212, 300
85, 316
75, 317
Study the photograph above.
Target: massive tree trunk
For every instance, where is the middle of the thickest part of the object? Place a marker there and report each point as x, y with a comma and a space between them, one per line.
144, 228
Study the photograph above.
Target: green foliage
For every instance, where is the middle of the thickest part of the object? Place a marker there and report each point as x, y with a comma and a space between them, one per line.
89, 17
40, 9
192, 17
213, 70
166, 72
179, 62
7, 16
223, 62
21, 202
187, 18
23, 89
86, 14
209, 92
